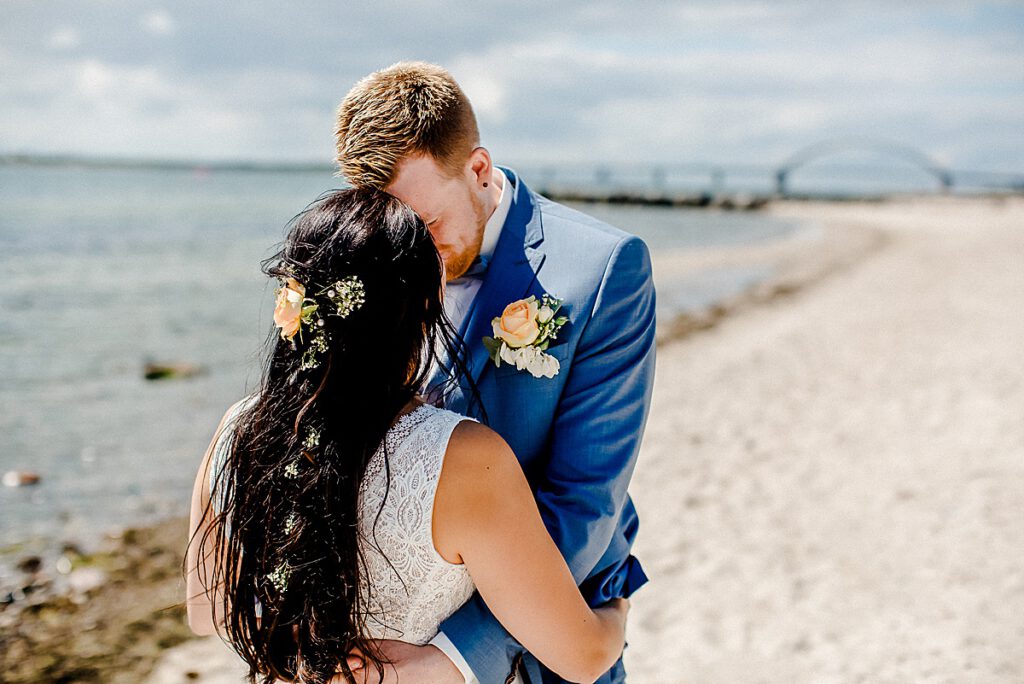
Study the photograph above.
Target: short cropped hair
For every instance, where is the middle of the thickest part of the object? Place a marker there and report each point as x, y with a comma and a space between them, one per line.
406, 109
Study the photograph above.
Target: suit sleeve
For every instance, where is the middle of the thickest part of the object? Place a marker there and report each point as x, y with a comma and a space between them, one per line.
595, 440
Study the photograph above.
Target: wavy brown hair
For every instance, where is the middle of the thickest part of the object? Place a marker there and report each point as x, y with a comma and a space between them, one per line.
285, 502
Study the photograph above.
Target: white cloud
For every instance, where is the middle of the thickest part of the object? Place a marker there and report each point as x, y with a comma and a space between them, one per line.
725, 13
64, 38
483, 89
126, 87
93, 78
594, 81
159, 23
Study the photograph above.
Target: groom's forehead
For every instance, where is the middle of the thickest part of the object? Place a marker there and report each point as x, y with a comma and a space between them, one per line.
420, 183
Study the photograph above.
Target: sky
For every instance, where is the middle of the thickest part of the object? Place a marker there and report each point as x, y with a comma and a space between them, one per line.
552, 82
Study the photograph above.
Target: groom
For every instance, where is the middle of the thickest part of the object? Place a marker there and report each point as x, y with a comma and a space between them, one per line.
411, 131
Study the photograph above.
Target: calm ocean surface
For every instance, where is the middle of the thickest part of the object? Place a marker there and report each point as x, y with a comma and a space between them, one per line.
109, 269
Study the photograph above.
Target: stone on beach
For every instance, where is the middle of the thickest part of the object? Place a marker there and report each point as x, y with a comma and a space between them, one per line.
20, 478
86, 580
170, 371
108, 621
30, 564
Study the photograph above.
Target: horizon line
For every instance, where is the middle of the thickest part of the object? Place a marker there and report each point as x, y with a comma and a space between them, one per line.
296, 165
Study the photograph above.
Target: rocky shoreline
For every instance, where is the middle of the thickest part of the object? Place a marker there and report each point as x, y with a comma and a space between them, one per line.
104, 616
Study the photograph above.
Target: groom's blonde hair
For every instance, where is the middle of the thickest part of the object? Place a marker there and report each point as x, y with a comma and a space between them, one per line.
407, 109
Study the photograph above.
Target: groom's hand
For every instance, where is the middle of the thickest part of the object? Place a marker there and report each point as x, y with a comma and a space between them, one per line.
410, 664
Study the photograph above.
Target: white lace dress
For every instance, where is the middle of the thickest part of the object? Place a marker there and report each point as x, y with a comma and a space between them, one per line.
414, 587
418, 589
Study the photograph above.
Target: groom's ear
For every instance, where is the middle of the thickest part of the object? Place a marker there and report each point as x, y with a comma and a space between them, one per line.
479, 167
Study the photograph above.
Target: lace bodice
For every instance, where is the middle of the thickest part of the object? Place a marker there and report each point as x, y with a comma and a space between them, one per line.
413, 587
418, 588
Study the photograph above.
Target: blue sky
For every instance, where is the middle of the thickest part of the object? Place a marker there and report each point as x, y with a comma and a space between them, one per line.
596, 81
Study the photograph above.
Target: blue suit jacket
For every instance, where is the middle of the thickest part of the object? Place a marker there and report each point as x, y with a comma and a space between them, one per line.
577, 435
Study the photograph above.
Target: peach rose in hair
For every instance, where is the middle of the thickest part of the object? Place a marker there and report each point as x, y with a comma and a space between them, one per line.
517, 325
288, 309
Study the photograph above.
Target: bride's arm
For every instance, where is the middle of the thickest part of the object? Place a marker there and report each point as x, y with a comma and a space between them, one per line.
198, 603
485, 513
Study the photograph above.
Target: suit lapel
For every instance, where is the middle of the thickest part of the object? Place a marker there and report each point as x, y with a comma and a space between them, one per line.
513, 268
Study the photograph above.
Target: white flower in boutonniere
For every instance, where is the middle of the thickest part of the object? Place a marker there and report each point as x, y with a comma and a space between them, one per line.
522, 334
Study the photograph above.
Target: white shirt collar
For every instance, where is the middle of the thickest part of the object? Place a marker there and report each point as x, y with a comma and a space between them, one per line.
492, 229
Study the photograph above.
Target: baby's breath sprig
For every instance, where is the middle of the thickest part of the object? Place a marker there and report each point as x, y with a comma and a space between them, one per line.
279, 577
312, 439
318, 345
290, 522
547, 320
347, 295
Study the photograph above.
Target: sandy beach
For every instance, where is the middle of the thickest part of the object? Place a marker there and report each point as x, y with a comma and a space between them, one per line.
831, 485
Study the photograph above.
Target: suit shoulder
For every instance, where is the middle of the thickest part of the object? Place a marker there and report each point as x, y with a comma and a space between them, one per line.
582, 242
574, 224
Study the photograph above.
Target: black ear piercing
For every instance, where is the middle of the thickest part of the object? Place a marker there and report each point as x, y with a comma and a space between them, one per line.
485, 184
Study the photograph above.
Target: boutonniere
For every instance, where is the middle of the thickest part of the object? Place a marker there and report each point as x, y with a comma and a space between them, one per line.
523, 332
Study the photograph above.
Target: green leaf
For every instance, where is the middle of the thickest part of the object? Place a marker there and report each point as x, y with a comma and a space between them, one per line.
561, 320
493, 347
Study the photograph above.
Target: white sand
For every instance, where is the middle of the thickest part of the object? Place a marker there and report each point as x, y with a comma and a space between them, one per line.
831, 486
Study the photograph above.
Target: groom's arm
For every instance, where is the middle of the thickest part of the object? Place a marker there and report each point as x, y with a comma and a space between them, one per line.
595, 440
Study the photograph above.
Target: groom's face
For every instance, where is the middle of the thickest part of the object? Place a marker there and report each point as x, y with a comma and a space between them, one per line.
452, 208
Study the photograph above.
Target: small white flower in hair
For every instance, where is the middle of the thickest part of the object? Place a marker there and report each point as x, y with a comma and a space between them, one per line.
279, 577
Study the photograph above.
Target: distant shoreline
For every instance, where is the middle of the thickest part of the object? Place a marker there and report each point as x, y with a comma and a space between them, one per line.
73, 161
581, 192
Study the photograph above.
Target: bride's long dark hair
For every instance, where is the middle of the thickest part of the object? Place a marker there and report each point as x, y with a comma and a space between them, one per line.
289, 502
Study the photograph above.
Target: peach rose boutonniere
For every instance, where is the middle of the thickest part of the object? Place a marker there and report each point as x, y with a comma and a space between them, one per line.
523, 332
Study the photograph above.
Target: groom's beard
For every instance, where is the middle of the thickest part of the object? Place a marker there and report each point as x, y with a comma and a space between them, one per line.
457, 264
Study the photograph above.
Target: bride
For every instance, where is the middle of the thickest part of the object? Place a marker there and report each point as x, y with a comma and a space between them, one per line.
335, 507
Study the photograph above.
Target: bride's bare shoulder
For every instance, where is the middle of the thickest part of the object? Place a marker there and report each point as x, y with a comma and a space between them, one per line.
476, 441
477, 464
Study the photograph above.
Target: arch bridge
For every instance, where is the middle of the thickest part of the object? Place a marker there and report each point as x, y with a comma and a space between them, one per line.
825, 148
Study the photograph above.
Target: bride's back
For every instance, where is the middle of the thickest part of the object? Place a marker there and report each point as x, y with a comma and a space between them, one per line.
407, 588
